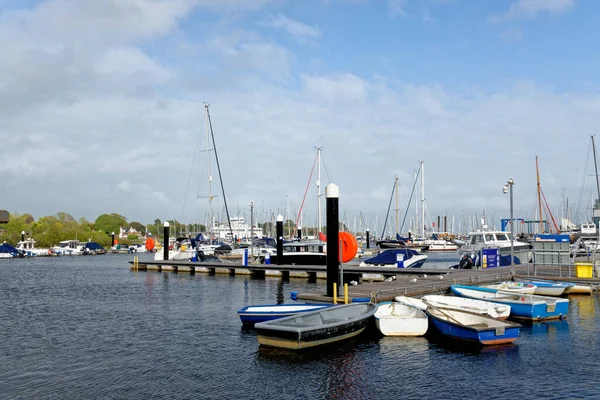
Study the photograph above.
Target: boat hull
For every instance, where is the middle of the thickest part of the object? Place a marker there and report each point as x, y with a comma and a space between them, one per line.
481, 330
524, 306
251, 315
395, 319
316, 328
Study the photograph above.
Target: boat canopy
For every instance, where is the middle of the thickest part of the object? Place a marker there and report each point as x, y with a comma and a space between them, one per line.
93, 246
389, 256
8, 248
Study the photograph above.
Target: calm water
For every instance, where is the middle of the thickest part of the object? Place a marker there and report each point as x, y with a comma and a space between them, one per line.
88, 327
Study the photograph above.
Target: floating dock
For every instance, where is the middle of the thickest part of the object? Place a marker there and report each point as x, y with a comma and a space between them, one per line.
400, 281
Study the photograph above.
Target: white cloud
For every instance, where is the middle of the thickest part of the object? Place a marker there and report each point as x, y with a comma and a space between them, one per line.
531, 8
295, 28
107, 126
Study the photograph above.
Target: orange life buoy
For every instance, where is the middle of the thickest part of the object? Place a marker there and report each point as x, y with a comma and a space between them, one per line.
149, 244
349, 246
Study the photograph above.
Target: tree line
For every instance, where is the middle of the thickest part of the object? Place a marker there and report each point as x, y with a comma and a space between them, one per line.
50, 230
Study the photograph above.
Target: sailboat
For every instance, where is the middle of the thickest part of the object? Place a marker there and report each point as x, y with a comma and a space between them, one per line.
399, 242
199, 248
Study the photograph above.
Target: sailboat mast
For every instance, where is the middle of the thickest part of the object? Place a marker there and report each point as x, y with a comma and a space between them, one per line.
210, 198
422, 200
219, 170
396, 185
319, 189
416, 229
596, 167
537, 170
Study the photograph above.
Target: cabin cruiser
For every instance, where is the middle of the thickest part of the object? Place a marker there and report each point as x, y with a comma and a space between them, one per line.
434, 243
303, 252
28, 249
68, 248
186, 249
493, 239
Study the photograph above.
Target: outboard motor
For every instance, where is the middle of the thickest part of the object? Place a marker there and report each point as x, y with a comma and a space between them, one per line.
467, 261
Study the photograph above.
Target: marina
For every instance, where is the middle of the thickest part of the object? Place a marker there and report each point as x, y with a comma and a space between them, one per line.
77, 323
281, 266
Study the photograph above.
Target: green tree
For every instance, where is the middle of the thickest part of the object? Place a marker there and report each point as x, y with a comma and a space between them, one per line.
138, 226
109, 223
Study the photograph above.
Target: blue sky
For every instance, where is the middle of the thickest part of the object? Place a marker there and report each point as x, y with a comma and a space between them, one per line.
104, 100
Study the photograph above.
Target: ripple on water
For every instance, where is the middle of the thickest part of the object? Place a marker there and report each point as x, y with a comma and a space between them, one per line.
88, 327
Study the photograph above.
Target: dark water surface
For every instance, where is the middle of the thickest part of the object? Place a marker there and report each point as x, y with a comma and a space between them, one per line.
89, 327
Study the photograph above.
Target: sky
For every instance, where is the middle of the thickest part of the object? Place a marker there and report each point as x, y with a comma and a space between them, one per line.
102, 106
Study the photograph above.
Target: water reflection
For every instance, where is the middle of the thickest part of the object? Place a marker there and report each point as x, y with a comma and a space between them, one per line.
280, 298
339, 370
443, 344
550, 328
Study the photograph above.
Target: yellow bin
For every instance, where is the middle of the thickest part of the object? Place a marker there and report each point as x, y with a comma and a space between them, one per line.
584, 270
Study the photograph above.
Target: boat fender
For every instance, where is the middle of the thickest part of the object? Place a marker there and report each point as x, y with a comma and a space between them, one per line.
49, 252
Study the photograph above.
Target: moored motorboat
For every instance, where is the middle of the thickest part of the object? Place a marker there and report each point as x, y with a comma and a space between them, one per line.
471, 327
8, 251
316, 328
396, 319
250, 315
491, 309
526, 306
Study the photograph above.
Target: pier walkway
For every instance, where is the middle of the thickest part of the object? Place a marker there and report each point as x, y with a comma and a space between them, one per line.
405, 281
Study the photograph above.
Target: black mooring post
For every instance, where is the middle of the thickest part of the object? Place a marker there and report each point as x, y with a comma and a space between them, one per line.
332, 195
368, 239
112, 239
299, 233
166, 241
279, 239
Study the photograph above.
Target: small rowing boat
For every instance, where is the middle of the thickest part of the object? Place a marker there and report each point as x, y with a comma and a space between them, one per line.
396, 319
251, 315
315, 328
491, 309
480, 329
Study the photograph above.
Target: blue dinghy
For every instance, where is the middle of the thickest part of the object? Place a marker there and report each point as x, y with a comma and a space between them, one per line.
547, 288
251, 315
472, 327
526, 306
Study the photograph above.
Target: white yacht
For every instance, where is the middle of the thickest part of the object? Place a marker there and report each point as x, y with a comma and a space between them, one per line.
185, 249
240, 229
437, 244
493, 239
69, 248
27, 248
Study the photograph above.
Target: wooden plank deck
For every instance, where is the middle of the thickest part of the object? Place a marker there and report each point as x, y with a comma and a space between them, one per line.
407, 282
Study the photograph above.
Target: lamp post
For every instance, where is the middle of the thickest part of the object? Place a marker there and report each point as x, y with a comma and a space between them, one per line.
508, 187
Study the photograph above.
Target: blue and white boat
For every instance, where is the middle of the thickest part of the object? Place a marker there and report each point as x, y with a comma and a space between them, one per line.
251, 315
396, 258
8, 251
525, 306
574, 288
547, 288
471, 327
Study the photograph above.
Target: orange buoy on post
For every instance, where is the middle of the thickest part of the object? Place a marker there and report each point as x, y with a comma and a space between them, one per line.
149, 244
349, 246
